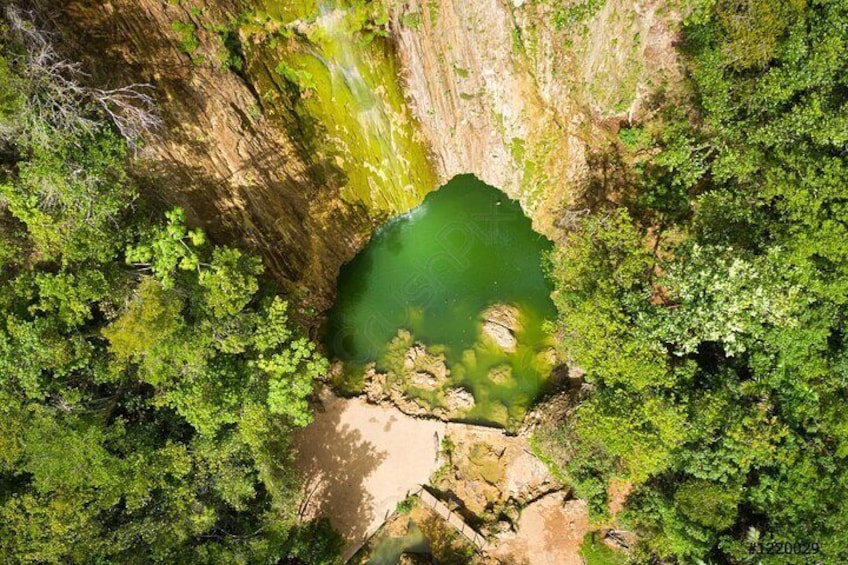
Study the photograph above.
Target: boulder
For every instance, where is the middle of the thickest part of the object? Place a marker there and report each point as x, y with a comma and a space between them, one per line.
423, 379
410, 406
459, 400
376, 385
418, 361
502, 337
500, 323
412, 355
505, 315
439, 369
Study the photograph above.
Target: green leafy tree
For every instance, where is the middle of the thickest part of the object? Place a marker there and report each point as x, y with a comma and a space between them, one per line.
149, 380
716, 369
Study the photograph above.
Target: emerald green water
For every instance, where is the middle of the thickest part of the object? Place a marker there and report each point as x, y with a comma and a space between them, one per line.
387, 550
433, 272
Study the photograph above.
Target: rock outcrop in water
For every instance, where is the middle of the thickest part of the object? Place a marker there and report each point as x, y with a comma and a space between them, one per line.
500, 324
458, 401
419, 384
414, 370
383, 388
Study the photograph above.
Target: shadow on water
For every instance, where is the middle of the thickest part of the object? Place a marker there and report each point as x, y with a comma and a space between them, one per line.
354, 278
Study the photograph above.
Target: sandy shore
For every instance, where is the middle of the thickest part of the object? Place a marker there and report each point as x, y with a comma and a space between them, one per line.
550, 532
361, 460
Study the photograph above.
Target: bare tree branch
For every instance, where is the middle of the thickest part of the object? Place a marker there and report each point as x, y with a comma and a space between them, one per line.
58, 98
131, 108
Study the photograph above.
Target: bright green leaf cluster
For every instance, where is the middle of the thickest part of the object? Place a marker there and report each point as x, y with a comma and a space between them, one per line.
711, 320
149, 381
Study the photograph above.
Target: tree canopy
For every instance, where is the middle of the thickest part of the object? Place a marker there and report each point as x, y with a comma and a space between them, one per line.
707, 304
149, 380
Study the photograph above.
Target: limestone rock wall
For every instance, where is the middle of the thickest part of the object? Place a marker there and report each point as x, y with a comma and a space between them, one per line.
497, 88
481, 108
235, 165
504, 92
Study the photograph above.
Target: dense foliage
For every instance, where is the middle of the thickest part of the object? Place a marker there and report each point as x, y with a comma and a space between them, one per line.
708, 304
149, 381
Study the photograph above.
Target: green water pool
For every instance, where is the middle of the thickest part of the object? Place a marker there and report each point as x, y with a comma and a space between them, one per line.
387, 550
433, 272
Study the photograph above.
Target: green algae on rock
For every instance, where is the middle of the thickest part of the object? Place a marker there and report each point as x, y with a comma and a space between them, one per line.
335, 55
446, 300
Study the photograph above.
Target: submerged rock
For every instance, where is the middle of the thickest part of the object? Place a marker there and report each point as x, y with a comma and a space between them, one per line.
459, 400
502, 374
423, 379
469, 358
497, 412
414, 559
547, 357
500, 324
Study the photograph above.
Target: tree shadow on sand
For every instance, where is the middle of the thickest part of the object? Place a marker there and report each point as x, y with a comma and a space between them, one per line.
335, 462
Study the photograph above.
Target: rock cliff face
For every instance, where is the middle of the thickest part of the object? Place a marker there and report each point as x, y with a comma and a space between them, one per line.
514, 91
264, 143
482, 110
237, 166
